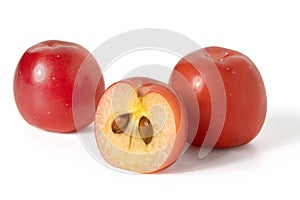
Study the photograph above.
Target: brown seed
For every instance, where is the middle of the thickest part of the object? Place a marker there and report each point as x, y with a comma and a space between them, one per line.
120, 123
145, 130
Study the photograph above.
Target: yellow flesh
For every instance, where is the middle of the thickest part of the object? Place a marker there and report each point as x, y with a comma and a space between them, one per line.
128, 150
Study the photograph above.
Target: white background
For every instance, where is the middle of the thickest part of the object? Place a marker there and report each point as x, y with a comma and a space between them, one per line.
42, 165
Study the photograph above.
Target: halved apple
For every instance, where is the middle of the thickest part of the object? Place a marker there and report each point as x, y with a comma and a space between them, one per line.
140, 125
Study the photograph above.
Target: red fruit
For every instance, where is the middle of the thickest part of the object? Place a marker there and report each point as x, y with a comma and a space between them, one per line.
45, 79
246, 102
141, 125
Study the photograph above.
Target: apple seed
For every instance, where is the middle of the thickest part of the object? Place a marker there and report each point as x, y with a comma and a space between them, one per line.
120, 123
145, 130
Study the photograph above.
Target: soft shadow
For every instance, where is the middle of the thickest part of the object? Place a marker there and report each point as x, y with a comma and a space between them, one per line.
88, 140
190, 161
279, 130
87, 130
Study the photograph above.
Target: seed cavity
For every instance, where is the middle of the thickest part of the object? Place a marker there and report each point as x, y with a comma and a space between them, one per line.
120, 123
145, 130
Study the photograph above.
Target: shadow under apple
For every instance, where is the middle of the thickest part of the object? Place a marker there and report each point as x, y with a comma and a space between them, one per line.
280, 129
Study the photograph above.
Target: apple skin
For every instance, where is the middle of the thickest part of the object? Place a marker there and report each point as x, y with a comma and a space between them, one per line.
246, 102
144, 86
45, 79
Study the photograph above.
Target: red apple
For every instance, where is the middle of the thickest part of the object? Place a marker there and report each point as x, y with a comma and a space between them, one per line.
44, 81
246, 102
141, 125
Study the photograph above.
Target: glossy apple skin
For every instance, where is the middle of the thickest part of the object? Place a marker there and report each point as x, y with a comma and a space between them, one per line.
246, 102
44, 81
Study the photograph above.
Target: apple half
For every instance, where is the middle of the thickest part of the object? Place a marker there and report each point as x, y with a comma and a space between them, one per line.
141, 125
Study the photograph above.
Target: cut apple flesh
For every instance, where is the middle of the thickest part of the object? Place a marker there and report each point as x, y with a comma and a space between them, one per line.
137, 129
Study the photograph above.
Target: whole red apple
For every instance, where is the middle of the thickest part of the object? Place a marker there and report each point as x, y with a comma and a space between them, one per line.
246, 102
44, 82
